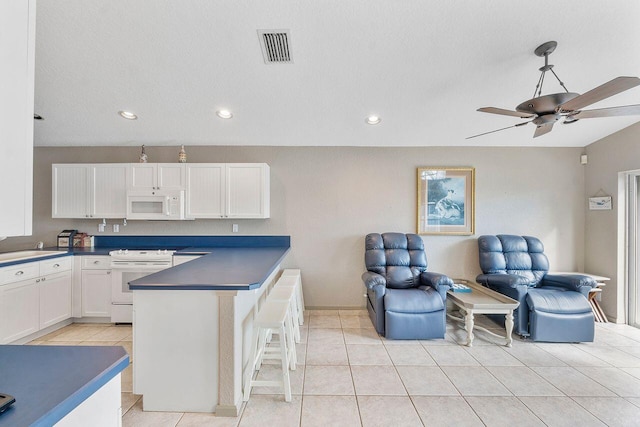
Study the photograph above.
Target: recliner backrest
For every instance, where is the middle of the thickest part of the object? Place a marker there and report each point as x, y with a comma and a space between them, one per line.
399, 257
521, 255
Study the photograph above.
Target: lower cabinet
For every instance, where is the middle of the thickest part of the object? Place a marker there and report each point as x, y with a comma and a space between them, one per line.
20, 309
37, 302
55, 298
96, 293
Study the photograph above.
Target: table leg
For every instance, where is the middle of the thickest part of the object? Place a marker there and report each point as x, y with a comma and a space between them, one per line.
468, 323
508, 324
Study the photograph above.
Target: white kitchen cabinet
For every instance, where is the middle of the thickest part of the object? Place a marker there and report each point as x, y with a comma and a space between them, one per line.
20, 308
89, 190
55, 290
96, 293
156, 176
55, 298
33, 296
108, 185
247, 190
17, 54
205, 190
228, 190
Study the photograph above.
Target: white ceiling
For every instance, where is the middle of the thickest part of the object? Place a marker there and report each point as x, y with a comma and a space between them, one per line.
424, 66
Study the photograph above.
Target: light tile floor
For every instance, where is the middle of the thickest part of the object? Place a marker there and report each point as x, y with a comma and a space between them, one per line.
349, 376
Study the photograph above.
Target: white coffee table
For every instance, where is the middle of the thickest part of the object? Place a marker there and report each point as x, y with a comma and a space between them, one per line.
482, 300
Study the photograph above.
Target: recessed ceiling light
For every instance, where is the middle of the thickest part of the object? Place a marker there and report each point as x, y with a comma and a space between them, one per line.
128, 115
373, 120
224, 114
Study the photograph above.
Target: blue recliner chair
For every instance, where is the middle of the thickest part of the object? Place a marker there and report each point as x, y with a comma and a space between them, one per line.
404, 301
553, 308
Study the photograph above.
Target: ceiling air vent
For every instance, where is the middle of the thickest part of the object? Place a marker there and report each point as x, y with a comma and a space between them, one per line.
275, 46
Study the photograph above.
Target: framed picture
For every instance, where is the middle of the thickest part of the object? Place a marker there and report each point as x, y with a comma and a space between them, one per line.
446, 199
600, 203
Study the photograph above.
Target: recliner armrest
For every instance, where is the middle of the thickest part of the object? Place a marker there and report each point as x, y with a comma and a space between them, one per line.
503, 280
439, 282
372, 279
511, 285
573, 282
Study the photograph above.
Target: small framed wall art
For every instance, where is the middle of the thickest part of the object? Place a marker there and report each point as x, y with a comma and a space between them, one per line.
600, 203
446, 200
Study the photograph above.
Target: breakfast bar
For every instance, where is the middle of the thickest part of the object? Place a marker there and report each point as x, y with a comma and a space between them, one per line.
64, 385
192, 327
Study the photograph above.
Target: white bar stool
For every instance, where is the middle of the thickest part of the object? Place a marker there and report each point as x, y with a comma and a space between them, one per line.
272, 318
287, 293
293, 280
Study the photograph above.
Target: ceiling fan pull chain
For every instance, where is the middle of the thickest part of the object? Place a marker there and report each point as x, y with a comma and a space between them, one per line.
560, 81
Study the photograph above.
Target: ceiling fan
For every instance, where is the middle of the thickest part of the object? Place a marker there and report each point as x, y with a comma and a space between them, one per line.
546, 110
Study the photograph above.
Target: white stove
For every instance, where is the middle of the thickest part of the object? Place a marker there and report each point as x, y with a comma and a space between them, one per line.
141, 255
128, 265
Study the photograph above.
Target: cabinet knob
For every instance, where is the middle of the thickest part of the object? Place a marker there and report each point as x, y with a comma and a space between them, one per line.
44, 278
108, 272
37, 280
96, 262
56, 265
19, 273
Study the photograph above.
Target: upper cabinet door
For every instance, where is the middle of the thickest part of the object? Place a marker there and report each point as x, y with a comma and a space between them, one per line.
205, 190
171, 176
70, 197
17, 48
247, 190
142, 176
156, 176
108, 190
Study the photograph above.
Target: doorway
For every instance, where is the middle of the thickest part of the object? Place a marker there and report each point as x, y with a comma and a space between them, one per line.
633, 248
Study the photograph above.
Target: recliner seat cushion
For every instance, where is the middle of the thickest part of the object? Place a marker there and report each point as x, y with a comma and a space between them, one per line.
424, 299
557, 301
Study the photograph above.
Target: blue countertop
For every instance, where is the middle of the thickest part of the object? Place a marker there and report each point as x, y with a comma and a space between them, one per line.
48, 382
222, 269
35, 259
228, 262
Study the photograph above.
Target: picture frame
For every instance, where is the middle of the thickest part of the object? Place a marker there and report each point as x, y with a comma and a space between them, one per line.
602, 203
446, 200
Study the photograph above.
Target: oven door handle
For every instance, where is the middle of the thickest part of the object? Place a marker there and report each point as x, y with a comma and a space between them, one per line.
139, 267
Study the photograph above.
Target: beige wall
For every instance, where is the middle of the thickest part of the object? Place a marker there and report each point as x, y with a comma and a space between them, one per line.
604, 251
328, 198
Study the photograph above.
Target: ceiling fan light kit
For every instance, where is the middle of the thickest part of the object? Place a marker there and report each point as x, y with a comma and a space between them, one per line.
545, 110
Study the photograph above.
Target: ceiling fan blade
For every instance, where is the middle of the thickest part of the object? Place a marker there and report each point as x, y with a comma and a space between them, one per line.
613, 87
497, 130
543, 129
503, 112
627, 110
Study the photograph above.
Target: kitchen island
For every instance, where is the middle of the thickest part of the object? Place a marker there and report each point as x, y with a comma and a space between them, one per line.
72, 386
192, 328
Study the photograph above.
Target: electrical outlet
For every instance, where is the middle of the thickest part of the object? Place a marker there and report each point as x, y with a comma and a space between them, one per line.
235, 228
116, 228
101, 228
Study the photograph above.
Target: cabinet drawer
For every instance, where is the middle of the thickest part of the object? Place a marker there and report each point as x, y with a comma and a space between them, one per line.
19, 272
96, 262
55, 265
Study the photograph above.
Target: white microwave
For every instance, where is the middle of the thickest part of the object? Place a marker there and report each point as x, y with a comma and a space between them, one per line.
155, 204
